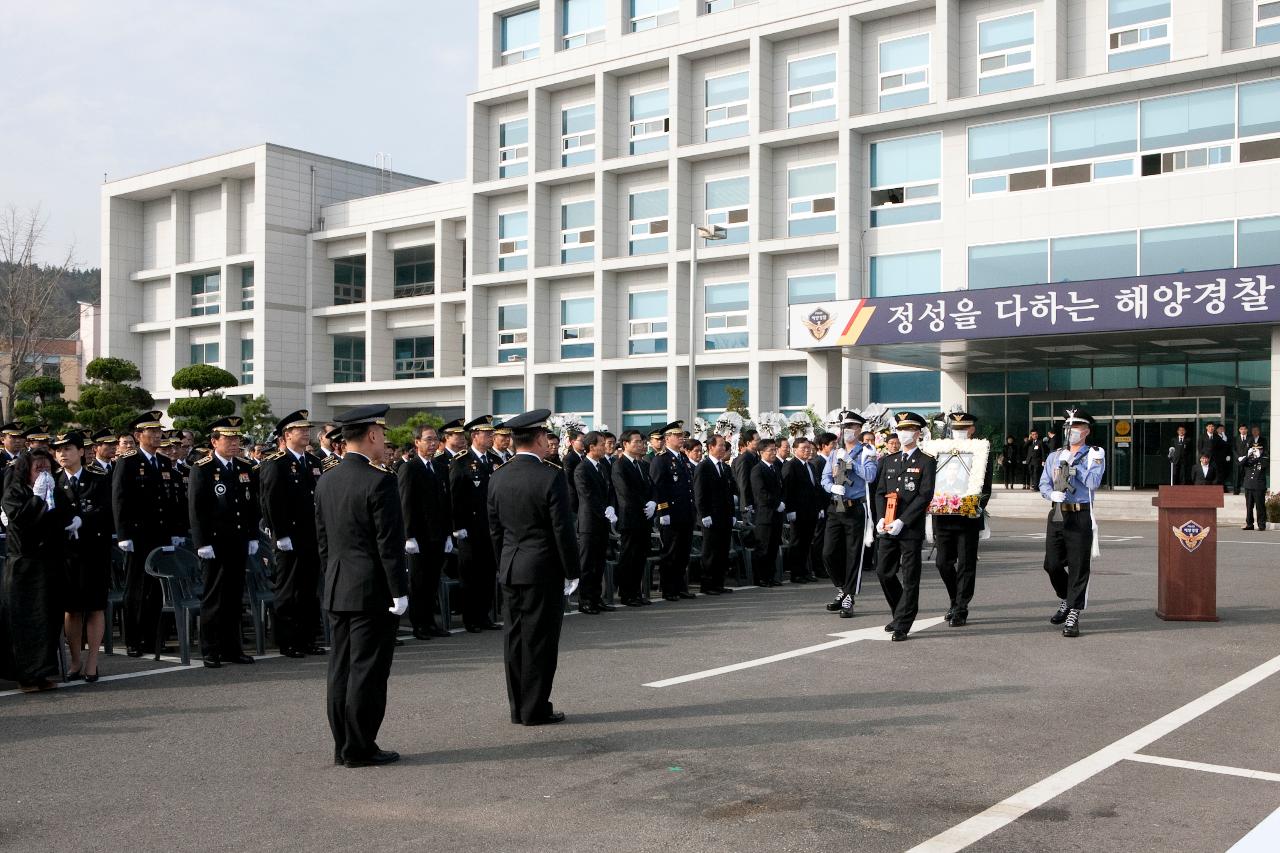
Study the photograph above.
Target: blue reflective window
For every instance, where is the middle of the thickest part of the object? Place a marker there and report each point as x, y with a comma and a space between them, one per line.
1006, 33
885, 216
578, 214
648, 305
909, 386
728, 89
1006, 82
990, 184
1009, 145
813, 71
1260, 108
1153, 55
793, 392
508, 401
649, 104
714, 393
1259, 242
727, 197
575, 399
1188, 248
1099, 132
1113, 169
811, 288
1095, 256
1187, 119
644, 396
513, 225
1122, 13
520, 30
901, 100
648, 237
1009, 264
904, 53
900, 275
904, 161
582, 16
811, 180
1267, 35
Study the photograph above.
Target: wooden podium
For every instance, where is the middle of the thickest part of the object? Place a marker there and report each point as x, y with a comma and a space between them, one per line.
1188, 553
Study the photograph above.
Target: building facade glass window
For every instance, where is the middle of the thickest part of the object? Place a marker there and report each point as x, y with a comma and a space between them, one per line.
726, 316
206, 353
1101, 140
520, 36
793, 394
647, 223
1009, 264
727, 99
811, 90
578, 135
913, 386
513, 241
348, 280
1006, 52
246, 361
713, 396
513, 148
1010, 148
811, 287
907, 273
1094, 256
1180, 120
650, 14
415, 357
643, 404
1259, 242
246, 288
713, 6
513, 332
1268, 22
582, 21
811, 200
415, 272
348, 358
647, 322
1137, 33
507, 402
904, 72
577, 327
577, 232
206, 293
1260, 108
726, 205
650, 121
576, 400
1188, 248
905, 176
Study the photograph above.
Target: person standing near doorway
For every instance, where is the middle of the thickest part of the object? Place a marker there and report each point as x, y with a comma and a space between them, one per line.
1255, 487
1180, 455
1239, 450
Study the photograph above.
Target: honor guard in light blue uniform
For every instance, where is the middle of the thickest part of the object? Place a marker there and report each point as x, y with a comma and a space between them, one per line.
1070, 477
849, 471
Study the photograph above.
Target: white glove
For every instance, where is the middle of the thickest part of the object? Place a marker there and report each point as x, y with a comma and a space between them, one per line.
399, 605
1096, 455
896, 527
822, 513
1239, 458
782, 506
570, 587
460, 535
175, 541
411, 546
4, 519
706, 521
285, 544
448, 544
870, 453
125, 545
253, 547
74, 527
880, 525
205, 553
837, 489
1058, 497
649, 509
665, 521
611, 514
791, 516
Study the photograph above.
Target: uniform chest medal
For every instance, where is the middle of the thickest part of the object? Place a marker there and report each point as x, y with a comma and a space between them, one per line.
910, 485
220, 489
315, 472
164, 475
244, 476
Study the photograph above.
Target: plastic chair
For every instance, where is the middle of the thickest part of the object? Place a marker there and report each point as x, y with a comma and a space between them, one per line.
179, 573
260, 593
115, 598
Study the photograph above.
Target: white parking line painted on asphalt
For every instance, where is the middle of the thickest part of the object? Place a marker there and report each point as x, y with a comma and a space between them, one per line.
1007, 811
1263, 838
845, 638
1206, 768
105, 678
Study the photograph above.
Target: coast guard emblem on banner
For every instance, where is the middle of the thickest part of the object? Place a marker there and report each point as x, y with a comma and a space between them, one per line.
1191, 535
818, 323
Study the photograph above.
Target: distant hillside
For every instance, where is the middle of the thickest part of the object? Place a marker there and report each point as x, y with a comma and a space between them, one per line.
78, 285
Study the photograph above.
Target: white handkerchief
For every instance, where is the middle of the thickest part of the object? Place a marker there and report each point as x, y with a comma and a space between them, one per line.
570, 586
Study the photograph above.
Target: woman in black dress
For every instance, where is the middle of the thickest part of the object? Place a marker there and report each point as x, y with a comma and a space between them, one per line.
30, 604
87, 494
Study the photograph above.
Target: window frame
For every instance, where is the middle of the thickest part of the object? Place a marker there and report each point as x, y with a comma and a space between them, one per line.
519, 245
565, 328
520, 53
577, 233
652, 415
246, 364
904, 87
519, 335
1114, 34
792, 216
205, 302
810, 90
796, 276
790, 410
351, 360
646, 134
906, 187
586, 37
723, 216
632, 224
727, 328
582, 146
416, 366
1258, 25
650, 334
1005, 52
416, 288
204, 353
356, 294
518, 151
730, 119
1008, 172
248, 293
661, 18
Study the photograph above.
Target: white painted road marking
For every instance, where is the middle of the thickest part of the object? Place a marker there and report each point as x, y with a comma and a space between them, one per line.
1007, 811
1263, 838
1207, 768
64, 684
845, 638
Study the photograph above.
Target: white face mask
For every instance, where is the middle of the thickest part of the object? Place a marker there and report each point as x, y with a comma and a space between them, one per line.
906, 437
959, 434
848, 436
1075, 436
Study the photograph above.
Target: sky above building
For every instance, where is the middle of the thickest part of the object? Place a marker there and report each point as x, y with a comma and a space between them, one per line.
131, 86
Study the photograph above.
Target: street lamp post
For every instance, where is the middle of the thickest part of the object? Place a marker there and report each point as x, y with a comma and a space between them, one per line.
696, 232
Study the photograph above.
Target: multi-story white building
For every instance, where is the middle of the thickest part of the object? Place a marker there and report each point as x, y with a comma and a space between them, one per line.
849, 150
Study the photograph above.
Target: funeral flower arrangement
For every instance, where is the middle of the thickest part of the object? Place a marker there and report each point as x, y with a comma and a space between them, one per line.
961, 471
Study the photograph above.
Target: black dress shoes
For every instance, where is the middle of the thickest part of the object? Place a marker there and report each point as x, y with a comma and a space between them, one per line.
687, 594
473, 629
550, 719
134, 652
959, 620
605, 608
492, 626
671, 597
589, 609
421, 635
725, 590
292, 653
891, 627
632, 602
213, 661
951, 614
241, 658
898, 636
706, 590
382, 756
439, 633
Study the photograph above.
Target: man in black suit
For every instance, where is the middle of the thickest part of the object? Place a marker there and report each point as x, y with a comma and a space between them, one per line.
572, 459
805, 500
468, 491
532, 532
224, 529
287, 488
713, 491
673, 491
1205, 473
1181, 456
746, 459
909, 476
424, 503
595, 514
636, 506
766, 490
1239, 450
361, 537
1033, 457
1208, 445
147, 516
824, 446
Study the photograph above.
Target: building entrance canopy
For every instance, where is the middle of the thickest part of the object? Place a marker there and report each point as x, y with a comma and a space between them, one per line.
1182, 316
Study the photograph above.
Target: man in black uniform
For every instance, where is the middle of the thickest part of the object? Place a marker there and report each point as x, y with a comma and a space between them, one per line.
956, 536
424, 503
501, 449
1180, 456
805, 500
1255, 487
742, 464
532, 532
360, 533
909, 476
287, 485
595, 514
104, 452
766, 491
713, 493
12, 442
636, 507
468, 492
224, 528
673, 491
147, 516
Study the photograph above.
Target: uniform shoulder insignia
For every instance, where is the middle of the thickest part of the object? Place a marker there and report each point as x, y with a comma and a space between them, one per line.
927, 453
553, 464
273, 456
93, 469
127, 454
330, 462
380, 466
204, 460
461, 458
